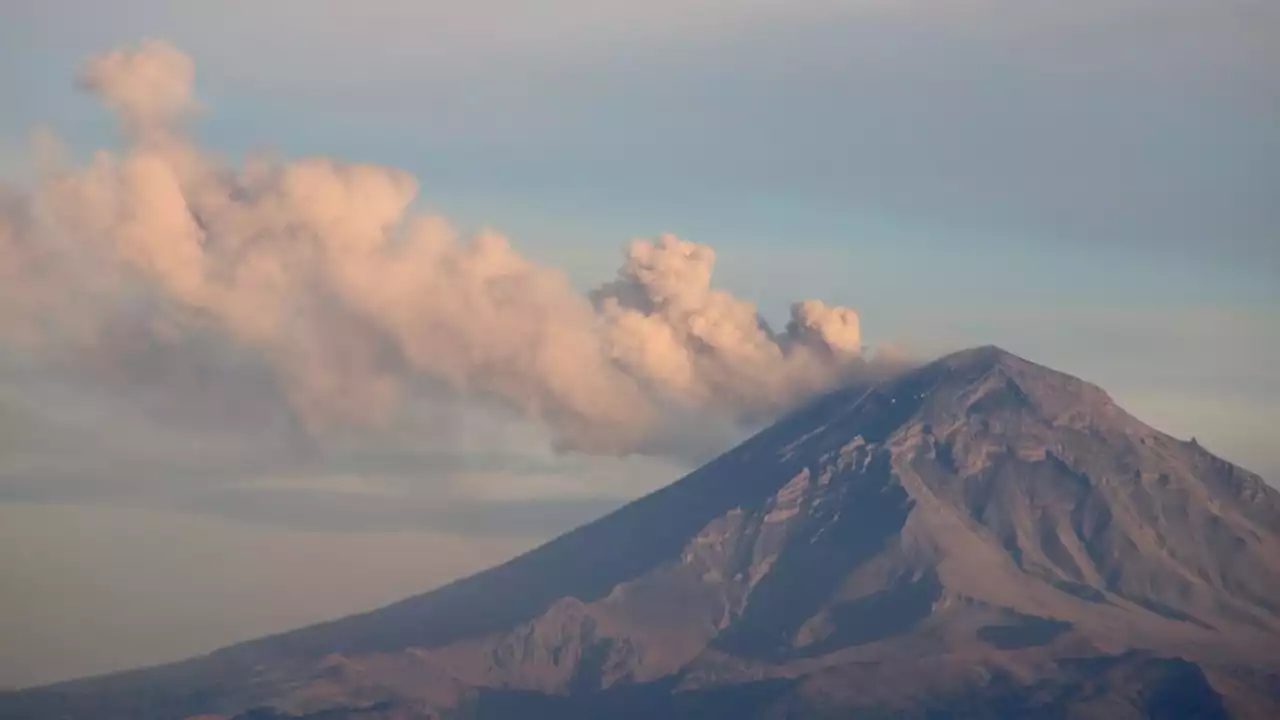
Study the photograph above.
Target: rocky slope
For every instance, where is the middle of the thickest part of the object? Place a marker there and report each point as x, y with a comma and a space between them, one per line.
980, 537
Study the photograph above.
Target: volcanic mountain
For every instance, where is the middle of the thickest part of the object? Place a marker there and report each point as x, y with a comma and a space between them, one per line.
979, 537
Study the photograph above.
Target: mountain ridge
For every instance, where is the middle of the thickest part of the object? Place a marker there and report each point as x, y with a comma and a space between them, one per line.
977, 511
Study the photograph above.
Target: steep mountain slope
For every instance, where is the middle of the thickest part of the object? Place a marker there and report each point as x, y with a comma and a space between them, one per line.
979, 537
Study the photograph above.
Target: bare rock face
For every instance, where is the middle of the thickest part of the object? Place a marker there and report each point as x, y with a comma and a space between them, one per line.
980, 537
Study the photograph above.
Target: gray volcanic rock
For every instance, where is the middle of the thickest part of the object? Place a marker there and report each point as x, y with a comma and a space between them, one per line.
979, 537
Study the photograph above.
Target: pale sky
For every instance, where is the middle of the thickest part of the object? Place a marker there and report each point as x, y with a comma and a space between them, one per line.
1093, 185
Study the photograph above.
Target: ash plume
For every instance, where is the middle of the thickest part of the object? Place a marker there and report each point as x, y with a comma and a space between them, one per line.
322, 269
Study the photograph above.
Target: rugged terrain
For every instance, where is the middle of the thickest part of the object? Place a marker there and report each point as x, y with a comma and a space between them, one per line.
979, 537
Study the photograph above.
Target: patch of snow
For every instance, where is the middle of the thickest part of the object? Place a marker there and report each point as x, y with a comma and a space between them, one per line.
781, 514
757, 571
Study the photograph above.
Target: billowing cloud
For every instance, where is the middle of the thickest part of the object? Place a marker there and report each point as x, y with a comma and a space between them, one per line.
698, 346
323, 270
149, 88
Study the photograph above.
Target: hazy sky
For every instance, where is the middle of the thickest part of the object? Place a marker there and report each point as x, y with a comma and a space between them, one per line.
1093, 185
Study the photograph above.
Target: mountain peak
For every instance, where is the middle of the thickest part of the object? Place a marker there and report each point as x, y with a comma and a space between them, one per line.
985, 377
988, 358
981, 355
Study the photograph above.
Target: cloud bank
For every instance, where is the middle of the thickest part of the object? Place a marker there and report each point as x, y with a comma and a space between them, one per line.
323, 271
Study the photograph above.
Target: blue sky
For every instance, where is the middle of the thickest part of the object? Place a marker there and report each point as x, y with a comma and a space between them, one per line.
1094, 186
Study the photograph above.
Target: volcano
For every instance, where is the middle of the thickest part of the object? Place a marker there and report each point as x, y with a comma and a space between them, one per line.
978, 537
